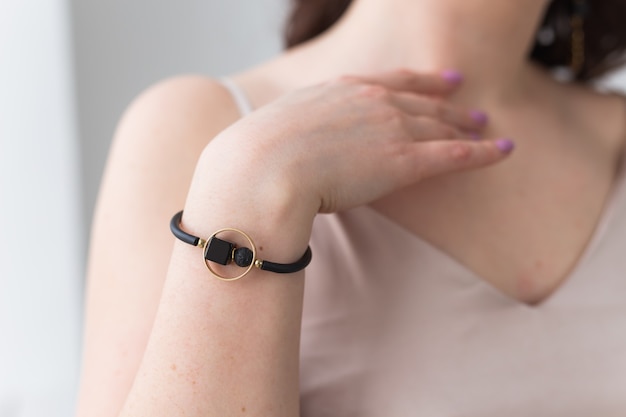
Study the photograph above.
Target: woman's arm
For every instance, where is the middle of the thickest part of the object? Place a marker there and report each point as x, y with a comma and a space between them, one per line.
149, 169
228, 348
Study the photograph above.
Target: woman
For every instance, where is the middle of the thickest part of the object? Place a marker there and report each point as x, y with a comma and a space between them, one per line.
435, 290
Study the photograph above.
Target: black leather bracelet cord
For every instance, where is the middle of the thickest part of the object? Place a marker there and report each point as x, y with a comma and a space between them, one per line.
224, 252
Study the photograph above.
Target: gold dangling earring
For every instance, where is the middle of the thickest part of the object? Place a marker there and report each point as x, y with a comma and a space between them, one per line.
577, 24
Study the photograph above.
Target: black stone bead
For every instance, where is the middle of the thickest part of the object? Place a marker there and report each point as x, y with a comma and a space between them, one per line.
219, 251
243, 257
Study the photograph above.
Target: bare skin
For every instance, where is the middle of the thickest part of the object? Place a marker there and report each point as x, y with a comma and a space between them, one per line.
194, 358
524, 242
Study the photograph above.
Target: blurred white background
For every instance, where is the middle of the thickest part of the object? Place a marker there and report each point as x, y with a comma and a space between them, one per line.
67, 71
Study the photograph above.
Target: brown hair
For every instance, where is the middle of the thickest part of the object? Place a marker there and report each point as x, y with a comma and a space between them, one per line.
605, 32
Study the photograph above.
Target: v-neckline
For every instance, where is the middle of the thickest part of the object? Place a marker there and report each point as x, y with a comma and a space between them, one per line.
602, 224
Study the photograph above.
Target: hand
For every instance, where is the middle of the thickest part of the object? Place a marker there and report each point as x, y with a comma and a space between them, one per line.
350, 141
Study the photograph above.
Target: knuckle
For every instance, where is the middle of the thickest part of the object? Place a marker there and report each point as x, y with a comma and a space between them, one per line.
460, 152
408, 166
397, 120
374, 91
396, 116
391, 116
447, 132
450, 132
405, 73
344, 79
439, 108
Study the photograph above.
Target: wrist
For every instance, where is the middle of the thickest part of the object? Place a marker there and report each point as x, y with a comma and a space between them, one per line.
256, 199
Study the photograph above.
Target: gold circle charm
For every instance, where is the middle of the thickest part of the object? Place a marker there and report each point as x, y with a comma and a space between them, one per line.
248, 269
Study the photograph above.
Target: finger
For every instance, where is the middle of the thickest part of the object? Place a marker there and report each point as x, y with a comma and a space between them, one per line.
440, 157
410, 81
424, 128
418, 105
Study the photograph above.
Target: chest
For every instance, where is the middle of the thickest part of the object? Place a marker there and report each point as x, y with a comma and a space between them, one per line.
521, 226
392, 327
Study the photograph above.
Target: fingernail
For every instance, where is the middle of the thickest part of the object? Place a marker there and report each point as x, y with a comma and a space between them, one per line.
479, 117
474, 136
505, 145
452, 76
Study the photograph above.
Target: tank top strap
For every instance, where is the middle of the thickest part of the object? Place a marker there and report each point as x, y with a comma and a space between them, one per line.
239, 96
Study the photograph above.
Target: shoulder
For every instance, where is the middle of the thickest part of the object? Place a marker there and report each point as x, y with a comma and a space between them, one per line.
155, 149
160, 137
181, 109
163, 131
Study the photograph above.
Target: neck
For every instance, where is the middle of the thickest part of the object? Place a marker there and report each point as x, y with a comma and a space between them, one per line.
487, 41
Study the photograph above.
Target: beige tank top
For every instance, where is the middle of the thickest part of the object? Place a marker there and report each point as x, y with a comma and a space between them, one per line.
393, 327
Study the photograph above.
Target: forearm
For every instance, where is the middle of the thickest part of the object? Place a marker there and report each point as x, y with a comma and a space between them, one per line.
220, 348
224, 348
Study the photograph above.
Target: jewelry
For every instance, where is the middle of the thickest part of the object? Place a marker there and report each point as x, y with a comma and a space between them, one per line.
224, 252
580, 10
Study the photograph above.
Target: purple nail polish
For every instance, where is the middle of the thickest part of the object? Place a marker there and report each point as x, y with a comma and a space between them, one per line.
505, 145
479, 117
452, 76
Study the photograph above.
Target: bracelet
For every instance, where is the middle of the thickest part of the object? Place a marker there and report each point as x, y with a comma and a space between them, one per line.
224, 252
